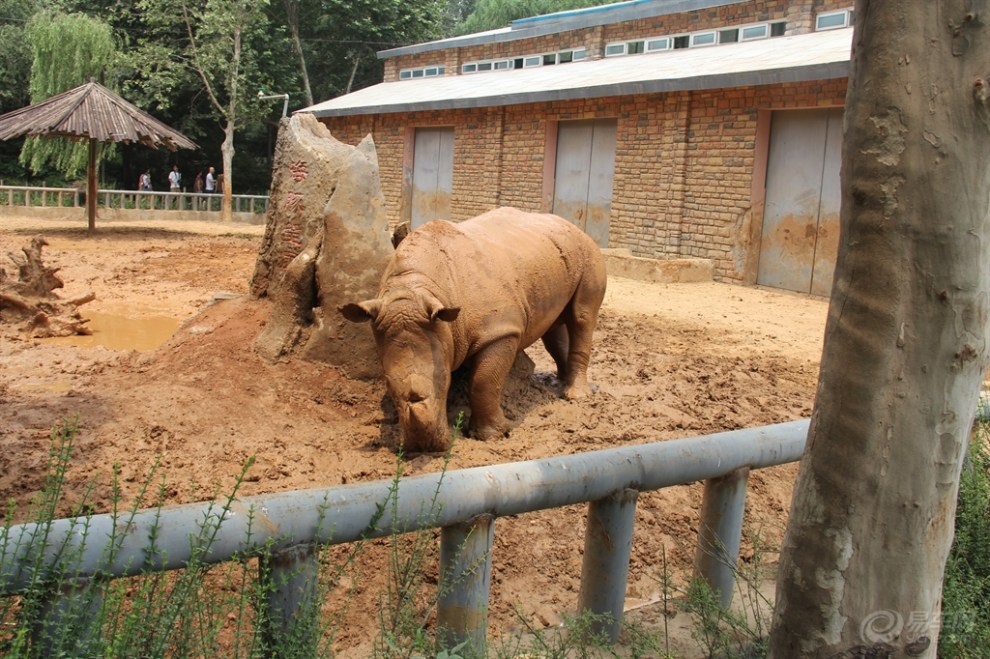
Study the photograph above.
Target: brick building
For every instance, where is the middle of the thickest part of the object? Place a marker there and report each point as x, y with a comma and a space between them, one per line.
673, 128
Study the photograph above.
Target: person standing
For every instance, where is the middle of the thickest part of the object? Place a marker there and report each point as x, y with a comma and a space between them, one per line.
211, 181
174, 179
198, 182
144, 183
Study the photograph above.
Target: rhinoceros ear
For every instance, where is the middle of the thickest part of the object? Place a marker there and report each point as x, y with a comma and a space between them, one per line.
446, 314
360, 312
437, 311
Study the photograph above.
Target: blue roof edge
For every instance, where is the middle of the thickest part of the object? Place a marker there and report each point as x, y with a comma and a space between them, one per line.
575, 19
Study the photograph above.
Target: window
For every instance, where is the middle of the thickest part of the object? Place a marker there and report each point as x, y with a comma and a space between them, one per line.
614, 49
549, 59
704, 39
423, 72
754, 32
662, 43
833, 20
488, 65
697, 39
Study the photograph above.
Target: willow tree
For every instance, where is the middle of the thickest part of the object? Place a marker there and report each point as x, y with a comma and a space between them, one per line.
906, 341
67, 50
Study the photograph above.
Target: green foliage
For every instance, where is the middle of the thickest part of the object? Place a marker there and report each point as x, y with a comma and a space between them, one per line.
343, 38
742, 630
493, 14
15, 53
220, 52
67, 50
409, 601
578, 636
965, 628
202, 610
189, 76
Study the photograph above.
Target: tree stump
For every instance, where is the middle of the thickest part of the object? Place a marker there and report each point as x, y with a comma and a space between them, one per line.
28, 304
326, 243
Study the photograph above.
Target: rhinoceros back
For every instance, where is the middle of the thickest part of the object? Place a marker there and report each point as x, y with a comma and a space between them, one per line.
510, 272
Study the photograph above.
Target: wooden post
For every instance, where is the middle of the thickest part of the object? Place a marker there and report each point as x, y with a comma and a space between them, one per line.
91, 186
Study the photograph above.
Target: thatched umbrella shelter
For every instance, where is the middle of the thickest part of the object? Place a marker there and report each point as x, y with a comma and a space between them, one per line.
92, 112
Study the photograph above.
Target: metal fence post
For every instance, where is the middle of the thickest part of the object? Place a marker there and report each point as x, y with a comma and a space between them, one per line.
292, 614
721, 530
607, 544
465, 581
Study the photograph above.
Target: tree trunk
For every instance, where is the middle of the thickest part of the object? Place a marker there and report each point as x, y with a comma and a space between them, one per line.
227, 147
292, 19
227, 155
906, 343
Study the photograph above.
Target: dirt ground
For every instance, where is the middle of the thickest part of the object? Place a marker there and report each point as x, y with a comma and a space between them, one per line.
670, 361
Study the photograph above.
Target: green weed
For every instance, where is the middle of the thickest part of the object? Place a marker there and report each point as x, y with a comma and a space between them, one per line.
965, 622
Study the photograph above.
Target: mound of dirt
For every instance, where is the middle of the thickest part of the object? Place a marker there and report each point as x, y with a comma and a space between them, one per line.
670, 361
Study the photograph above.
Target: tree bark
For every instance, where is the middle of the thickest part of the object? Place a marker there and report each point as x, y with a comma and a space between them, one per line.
227, 155
906, 342
227, 147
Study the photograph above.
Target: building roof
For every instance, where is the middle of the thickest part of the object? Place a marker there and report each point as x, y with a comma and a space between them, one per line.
814, 56
573, 19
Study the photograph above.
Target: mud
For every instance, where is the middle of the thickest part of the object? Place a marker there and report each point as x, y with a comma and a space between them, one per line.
669, 361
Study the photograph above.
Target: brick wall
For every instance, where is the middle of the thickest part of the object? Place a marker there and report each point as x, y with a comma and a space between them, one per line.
799, 15
684, 162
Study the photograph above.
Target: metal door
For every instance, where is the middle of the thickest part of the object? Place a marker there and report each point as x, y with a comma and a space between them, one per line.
827, 243
585, 165
433, 175
801, 213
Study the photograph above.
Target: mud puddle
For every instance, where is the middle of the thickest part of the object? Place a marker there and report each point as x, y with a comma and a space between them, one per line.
118, 331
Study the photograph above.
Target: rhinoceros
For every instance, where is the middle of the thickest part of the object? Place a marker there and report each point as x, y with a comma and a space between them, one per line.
475, 293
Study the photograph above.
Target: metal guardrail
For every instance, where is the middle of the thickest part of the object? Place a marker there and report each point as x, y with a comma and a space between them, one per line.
45, 197
285, 528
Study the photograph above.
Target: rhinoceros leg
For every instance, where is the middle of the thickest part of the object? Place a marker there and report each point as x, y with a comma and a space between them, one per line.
491, 366
580, 318
557, 344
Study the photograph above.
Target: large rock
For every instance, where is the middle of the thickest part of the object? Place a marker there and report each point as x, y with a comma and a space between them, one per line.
326, 243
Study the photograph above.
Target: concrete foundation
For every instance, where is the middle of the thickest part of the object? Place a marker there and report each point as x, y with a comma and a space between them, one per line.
621, 263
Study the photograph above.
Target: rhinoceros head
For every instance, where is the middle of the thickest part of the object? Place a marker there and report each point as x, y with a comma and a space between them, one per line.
413, 335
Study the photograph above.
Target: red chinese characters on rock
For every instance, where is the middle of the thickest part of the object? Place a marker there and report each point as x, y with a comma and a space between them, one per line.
292, 203
299, 170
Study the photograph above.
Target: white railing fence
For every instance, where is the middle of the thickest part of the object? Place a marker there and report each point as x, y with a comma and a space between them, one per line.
46, 197
284, 530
